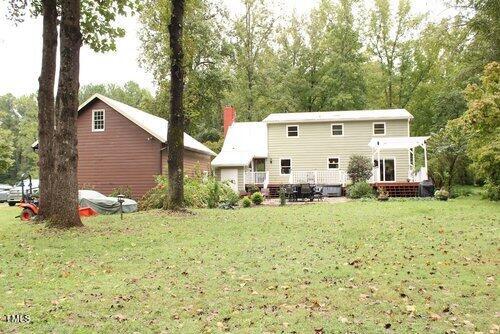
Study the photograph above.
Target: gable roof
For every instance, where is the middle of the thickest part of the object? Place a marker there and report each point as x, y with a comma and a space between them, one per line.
154, 125
244, 141
338, 116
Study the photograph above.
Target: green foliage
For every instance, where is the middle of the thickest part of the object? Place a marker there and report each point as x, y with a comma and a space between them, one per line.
97, 21
130, 93
198, 193
19, 127
246, 202
447, 151
123, 190
206, 53
442, 194
492, 191
359, 168
213, 195
6, 150
257, 198
361, 189
483, 119
282, 196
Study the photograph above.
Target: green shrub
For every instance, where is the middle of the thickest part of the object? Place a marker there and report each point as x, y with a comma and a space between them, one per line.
257, 198
198, 193
492, 191
359, 168
442, 194
246, 202
213, 197
282, 195
360, 190
228, 196
122, 190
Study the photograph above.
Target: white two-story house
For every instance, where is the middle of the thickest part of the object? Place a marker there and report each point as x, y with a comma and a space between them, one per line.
315, 148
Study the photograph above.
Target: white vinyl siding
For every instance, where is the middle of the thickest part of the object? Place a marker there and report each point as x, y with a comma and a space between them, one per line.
316, 145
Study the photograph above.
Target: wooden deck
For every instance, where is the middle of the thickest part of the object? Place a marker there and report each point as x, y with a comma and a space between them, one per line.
399, 189
395, 189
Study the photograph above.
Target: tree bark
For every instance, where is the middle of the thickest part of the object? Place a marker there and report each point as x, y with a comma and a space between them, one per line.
64, 176
175, 137
46, 106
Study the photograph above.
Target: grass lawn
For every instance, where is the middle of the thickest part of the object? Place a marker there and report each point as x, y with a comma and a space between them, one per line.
364, 267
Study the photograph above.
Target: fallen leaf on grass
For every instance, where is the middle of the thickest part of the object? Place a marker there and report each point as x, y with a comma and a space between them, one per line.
120, 317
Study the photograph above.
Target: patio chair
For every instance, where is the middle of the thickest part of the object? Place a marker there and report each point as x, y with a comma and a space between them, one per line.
289, 192
306, 192
318, 193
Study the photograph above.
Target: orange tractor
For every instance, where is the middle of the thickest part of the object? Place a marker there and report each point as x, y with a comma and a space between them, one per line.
29, 204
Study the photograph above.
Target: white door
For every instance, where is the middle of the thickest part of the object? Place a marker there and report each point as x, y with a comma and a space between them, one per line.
231, 175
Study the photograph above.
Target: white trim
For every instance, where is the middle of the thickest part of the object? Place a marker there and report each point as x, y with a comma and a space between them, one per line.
379, 134
328, 163
331, 130
298, 131
94, 111
291, 166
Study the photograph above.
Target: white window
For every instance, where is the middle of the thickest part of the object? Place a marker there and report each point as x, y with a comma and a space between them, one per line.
292, 130
285, 166
97, 120
379, 129
333, 163
337, 129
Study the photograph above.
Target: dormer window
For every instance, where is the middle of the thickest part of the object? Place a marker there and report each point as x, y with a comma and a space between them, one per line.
98, 120
292, 130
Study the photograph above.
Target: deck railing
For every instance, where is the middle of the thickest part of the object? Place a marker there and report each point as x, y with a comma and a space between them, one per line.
319, 177
257, 178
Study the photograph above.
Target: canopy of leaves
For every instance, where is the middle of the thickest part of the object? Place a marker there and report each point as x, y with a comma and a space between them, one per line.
483, 118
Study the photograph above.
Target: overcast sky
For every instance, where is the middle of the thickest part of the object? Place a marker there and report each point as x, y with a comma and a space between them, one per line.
20, 49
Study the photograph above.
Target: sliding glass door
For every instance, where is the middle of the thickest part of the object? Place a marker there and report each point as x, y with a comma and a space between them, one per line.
387, 170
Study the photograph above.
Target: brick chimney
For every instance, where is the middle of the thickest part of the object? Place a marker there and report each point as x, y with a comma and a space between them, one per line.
229, 117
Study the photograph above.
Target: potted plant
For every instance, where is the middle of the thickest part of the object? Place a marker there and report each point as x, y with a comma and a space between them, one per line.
442, 194
383, 195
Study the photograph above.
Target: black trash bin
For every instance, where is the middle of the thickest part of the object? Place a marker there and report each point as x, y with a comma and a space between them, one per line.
426, 189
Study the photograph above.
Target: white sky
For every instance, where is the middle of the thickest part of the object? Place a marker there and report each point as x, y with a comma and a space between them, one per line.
20, 49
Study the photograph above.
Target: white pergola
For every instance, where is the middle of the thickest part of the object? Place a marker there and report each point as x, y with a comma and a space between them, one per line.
409, 143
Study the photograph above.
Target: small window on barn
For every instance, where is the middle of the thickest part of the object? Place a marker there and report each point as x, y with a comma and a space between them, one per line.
333, 163
292, 130
285, 166
379, 129
337, 129
98, 120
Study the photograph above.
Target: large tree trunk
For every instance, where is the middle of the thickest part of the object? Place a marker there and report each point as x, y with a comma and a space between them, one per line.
46, 106
175, 137
64, 175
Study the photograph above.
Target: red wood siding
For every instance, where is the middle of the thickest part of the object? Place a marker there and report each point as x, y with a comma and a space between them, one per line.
121, 155
192, 161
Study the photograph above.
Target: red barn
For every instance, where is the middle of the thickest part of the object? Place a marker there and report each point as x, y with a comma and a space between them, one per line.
119, 145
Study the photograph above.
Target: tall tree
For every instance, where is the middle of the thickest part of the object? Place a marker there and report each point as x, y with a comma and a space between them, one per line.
388, 34
483, 119
175, 136
57, 116
206, 54
252, 39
